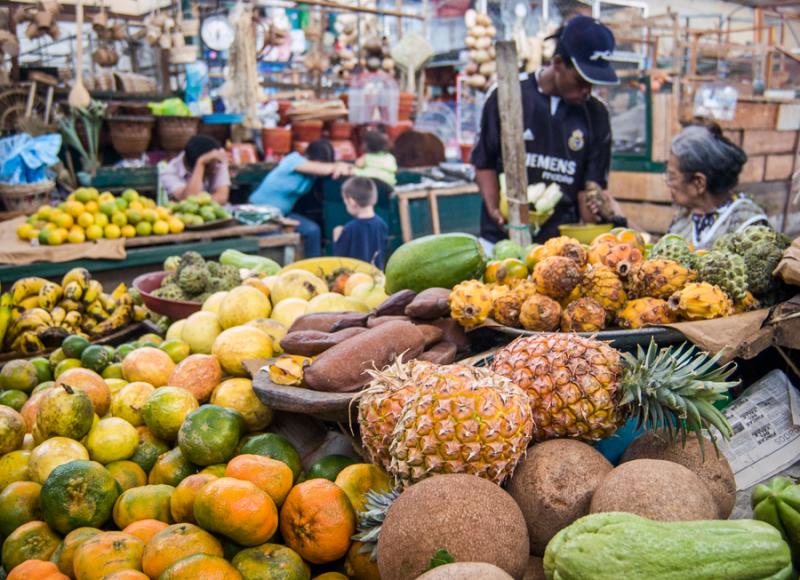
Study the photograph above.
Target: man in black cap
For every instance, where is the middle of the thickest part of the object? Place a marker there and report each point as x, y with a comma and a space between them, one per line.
567, 133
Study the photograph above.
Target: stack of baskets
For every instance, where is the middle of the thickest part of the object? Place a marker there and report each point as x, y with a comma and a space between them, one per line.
25, 197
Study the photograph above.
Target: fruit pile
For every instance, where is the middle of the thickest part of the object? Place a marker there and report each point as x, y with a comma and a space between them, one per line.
36, 313
198, 209
88, 215
131, 478
194, 279
617, 281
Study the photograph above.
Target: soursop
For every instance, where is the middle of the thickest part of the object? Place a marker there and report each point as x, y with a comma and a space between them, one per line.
214, 268
171, 264
676, 248
726, 243
760, 261
170, 292
193, 279
753, 236
726, 270
230, 276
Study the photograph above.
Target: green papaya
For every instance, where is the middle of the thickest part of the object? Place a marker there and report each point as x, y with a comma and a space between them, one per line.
777, 502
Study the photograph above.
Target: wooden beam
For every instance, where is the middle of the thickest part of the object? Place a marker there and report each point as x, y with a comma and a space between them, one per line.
363, 9
509, 103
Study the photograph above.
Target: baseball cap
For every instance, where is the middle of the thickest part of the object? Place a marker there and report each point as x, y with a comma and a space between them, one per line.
590, 46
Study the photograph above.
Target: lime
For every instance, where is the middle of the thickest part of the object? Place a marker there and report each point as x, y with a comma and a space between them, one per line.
43, 372
112, 371
96, 358
108, 207
65, 365
208, 214
19, 374
74, 345
123, 350
329, 467
130, 195
122, 203
44, 233
144, 229
13, 398
176, 349
56, 357
149, 343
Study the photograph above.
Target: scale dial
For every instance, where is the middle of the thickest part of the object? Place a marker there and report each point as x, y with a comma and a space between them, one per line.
217, 32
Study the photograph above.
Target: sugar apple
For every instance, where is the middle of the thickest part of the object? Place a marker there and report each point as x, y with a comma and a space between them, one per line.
676, 248
193, 279
214, 268
726, 270
170, 292
171, 264
760, 260
230, 276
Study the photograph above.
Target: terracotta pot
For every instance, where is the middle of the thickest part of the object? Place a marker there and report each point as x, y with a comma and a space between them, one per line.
277, 139
340, 130
307, 130
131, 136
394, 131
283, 110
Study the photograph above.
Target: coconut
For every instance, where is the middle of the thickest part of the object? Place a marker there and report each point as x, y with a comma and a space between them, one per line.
709, 465
655, 489
471, 518
535, 569
465, 571
553, 486
199, 374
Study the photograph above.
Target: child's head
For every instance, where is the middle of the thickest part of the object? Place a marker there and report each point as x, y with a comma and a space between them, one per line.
198, 146
358, 193
376, 142
320, 150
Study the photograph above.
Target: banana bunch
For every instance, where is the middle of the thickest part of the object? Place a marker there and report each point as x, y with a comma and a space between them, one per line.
37, 328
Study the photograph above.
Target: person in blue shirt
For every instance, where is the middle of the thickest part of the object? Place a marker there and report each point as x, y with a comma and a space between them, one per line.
291, 179
366, 235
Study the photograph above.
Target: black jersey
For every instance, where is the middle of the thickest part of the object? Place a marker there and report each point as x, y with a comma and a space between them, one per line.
569, 146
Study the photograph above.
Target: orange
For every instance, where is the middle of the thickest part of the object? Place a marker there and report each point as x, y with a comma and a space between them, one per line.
19, 504
217, 469
270, 475
201, 566
90, 382
119, 218
65, 553
100, 219
145, 529
13, 467
182, 502
238, 394
126, 575
48, 455
360, 565
127, 473
236, 509
94, 232
148, 502
160, 228
64, 220
144, 228
357, 479
36, 570
112, 231
31, 541
85, 220
106, 553
175, 543
171, 468
317, 521
271, 561
176, 226
128, 231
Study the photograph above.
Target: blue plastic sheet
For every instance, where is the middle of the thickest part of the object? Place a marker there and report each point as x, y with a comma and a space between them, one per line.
25, 159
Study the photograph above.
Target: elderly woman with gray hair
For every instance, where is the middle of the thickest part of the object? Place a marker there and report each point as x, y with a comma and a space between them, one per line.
702, 172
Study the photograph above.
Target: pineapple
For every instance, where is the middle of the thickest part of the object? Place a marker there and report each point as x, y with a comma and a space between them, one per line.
584, 389
657, 278
700, 301
566, 247
505, 309
470, 303
746, 304
603, 285
540, 314
583, 315
676, 248
556, 277
725, 270
645, 311
461, 420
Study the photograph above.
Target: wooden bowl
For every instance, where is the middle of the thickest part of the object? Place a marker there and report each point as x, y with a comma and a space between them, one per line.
174, 309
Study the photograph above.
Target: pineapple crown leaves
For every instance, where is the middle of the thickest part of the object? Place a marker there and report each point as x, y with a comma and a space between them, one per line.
370, 520
675, 389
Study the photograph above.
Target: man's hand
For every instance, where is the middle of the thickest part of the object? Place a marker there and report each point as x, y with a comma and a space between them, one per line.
341, 170
497, 217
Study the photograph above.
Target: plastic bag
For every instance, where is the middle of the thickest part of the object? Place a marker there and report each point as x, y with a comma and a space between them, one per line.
25, 159
173, 107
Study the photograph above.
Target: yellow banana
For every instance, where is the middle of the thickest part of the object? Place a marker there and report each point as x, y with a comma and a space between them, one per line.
49, 295
29, 302
119, 291
93, 290
109, 303
139, 313
80, 276
70, 305
40, 314
88, 323
72, 321
125, 299
5, 315
58, 315
119, 318
16, 312
73, 291
25, 323
26, 287
96, 309
27, 343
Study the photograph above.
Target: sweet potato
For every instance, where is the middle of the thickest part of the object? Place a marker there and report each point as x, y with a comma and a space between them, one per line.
314, 342
429, 304
374, 321
454, 333
395, 305
442, 353
325, 321
342, 368
431, 333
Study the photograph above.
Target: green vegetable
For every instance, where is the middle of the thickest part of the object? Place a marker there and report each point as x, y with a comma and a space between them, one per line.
249, 262
440, 261
611, 546
777, 502
507, 249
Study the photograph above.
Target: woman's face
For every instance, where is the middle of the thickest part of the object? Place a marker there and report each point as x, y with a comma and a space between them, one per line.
686, 190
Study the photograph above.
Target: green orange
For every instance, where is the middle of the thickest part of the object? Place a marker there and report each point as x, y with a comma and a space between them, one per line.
182, 500
64, 554
148, 502
175, 543
210, 434
201, 566
274, 446
31, 541
171, 468
127, 474
270, 561
148, 450
19, 504
14, 467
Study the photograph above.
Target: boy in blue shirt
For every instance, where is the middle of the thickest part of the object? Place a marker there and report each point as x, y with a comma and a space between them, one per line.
364, 237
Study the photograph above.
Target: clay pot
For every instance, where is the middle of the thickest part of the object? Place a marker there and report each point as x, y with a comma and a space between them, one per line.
340, 130
307, 130
277, 139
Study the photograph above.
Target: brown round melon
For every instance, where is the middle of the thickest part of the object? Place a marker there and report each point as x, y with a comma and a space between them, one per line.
199, 374
471, 518
706, 463
466, 571
535, 569
655, 489
553, 486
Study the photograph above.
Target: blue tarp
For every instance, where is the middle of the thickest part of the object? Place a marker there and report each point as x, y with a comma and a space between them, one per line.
25, 159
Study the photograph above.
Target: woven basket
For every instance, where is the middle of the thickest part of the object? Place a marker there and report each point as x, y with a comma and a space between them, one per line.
26, 197
130, 136
174, 132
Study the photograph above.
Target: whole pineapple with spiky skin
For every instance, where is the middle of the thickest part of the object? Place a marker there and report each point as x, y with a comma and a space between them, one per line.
602, 284
566, 247
645, 311
540, 313
598, 388
724, 269
556, 277
701, 301
461, 420
470, 303
583, 315
657, 278
676, 248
